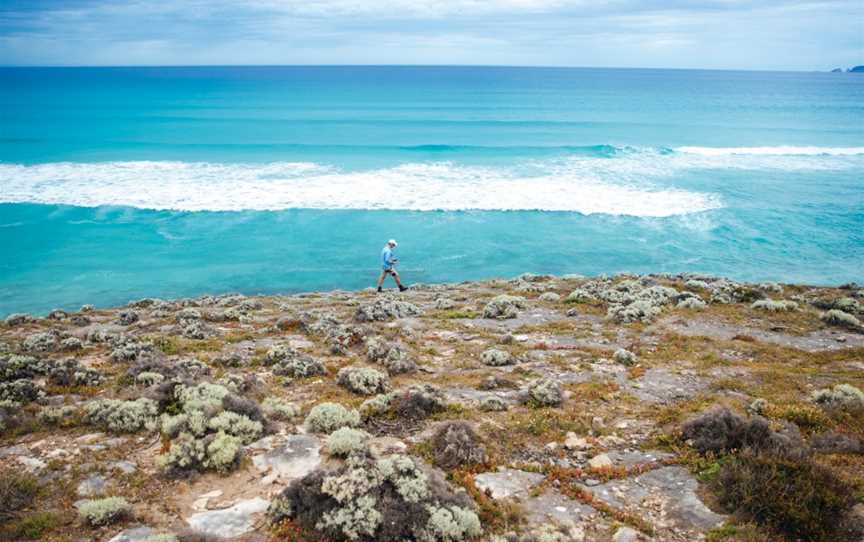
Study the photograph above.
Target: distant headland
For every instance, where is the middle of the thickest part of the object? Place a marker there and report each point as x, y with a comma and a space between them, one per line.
854, 69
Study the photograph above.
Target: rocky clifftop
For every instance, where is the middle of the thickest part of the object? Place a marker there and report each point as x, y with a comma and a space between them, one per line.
535, 409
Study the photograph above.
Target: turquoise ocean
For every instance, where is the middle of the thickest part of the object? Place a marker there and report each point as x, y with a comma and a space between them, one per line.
121, 183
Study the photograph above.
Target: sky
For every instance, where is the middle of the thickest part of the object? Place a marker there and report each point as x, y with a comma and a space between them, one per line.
722, 34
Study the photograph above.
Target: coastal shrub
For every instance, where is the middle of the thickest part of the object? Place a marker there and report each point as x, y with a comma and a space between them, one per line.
841, 396
455, 444
444, 303
126, 349
503, 307
339, 337
197, 330
657, 295
692, 303
280, 409
545, 392
238, 425
69, 372
837, 443
624, 357
849, 305
550, 297
46, 341
127, 318
20, 367
18, 490
289, 362
493, 404
98, 512
123, 416
697, 284
580, 295
416, 402
149, 379
719, 430
390, 499
346, 440
60, 415
219, 451
637, 311
797, 498
398, 361
209, 429
17, 319
20, 391
772, 305
362, 380
327, 417
839, 318
496, 358
386, 308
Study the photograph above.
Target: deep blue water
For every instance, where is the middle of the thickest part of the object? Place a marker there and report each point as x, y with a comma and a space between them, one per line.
118, 183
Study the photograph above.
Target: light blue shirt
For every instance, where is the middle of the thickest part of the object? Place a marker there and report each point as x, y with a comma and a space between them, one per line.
387, 258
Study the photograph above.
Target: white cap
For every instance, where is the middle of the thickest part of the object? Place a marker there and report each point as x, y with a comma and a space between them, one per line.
392, 242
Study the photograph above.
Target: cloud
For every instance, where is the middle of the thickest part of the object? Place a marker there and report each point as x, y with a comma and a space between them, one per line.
769, 34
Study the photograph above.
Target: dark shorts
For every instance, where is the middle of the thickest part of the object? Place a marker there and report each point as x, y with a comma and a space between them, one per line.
390, 271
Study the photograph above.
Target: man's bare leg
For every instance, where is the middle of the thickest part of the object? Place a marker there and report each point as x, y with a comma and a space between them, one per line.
381, 279
396, 278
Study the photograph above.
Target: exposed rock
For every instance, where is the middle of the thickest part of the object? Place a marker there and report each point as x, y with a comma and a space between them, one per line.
135, 534
297, 457
92, 486
507, 482
233, 521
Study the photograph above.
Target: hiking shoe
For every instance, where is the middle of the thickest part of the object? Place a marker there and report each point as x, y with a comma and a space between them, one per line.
402, 288
379, 290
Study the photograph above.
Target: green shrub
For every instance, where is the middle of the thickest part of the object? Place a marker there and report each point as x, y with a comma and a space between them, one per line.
793, 496
842, 396
346, 440
391, 499
279, 409
123, 416
327, 417
34, 526
17, 491
98, 512
362, 380
455, 443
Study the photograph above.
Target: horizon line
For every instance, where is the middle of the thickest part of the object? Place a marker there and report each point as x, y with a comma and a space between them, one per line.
550, 67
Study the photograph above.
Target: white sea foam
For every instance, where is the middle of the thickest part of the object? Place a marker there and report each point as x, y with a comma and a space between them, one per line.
586, 185
635, 182
783, 150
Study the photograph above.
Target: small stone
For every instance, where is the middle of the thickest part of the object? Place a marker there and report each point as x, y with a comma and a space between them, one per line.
575, 442
600, 462
625, 534
136, 534
228, 522
92, 486
597, 423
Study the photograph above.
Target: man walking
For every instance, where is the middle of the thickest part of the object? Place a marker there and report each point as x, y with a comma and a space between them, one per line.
388, 265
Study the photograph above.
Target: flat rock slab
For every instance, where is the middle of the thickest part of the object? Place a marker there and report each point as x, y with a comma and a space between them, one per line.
553, 505
297, 457
233, 521
823, 339
507, 483
672, 488
91, 486
632, 458
136, 534
663, 386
